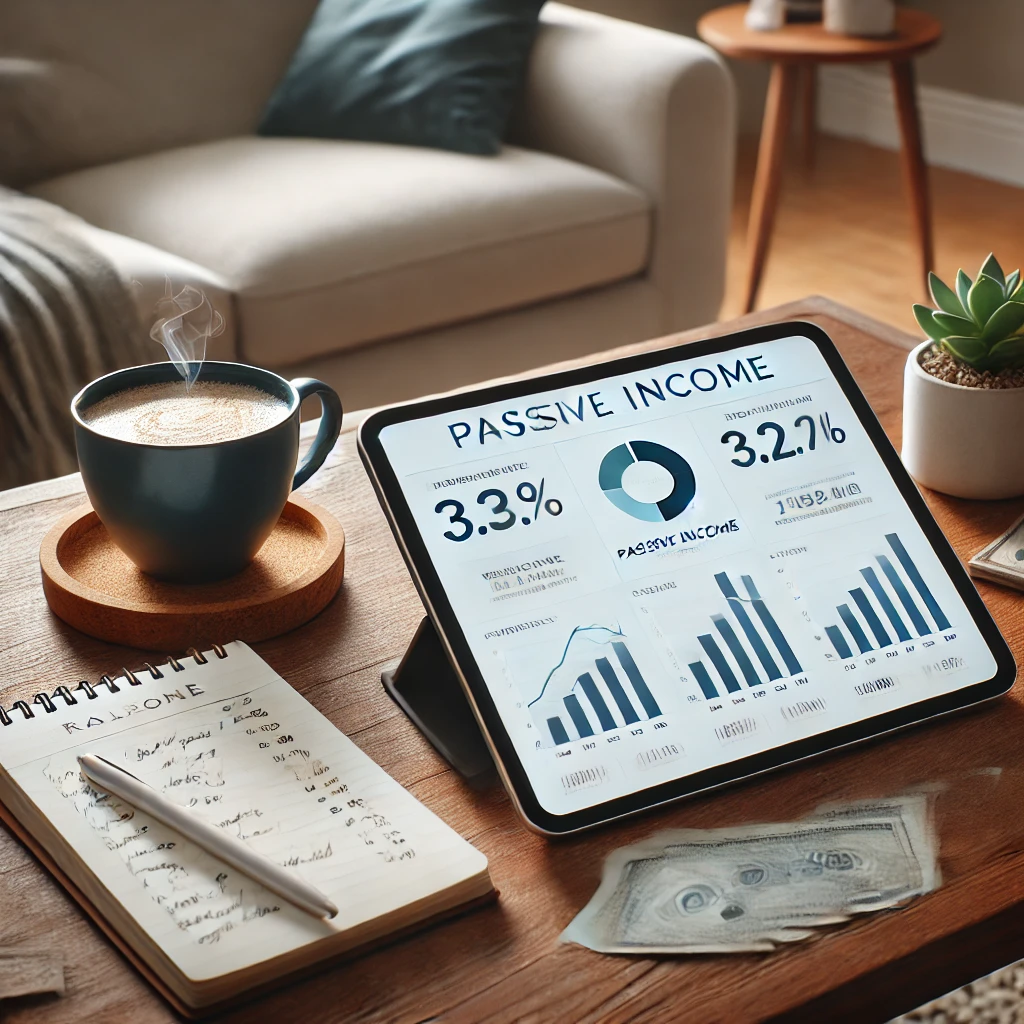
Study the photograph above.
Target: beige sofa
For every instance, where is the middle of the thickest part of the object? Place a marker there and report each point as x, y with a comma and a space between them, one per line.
388, 271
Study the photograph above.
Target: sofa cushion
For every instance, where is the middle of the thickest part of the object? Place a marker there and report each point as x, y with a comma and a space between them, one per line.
84, 82
329, 245
415, 72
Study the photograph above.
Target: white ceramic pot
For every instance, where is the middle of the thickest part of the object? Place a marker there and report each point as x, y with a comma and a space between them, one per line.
968, 442
859, 17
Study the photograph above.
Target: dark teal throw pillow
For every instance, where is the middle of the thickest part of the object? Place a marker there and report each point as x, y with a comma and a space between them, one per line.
440, 73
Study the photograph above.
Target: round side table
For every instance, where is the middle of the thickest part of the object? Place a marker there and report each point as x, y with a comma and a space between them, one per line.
796, 50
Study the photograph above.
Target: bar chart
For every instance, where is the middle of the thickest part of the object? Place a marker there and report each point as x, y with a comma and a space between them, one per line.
892, 604
595, 687
758, 654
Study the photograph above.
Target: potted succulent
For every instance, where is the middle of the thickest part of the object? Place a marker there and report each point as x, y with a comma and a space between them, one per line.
963, 390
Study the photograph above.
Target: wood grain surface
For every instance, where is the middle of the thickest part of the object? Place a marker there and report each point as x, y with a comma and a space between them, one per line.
504, 963
25, 972
843, 229
92, 585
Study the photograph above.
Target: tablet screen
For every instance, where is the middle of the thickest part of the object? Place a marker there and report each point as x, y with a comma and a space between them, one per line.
664, 571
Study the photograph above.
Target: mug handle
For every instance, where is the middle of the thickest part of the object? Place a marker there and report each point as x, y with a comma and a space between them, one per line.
327, 433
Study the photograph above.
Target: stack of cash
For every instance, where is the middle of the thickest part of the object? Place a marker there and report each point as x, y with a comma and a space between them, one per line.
747, 889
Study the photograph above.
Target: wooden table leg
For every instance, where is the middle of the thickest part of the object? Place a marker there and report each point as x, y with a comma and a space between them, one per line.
915, 170
774, 133
809, 109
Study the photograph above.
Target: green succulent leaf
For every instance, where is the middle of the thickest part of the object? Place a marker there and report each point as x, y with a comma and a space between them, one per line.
991, 268
963, 287
926, 319
972, 351
984, 298
1008, 353
981, 323
956, 325
944, 296
1006, 320
1012, 284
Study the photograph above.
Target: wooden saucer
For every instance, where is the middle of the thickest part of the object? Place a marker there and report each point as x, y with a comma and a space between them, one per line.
91, 584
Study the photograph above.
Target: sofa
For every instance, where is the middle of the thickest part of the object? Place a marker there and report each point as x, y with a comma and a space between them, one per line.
388, 271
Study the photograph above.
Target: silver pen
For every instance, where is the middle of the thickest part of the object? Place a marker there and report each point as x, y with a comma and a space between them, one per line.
213, 840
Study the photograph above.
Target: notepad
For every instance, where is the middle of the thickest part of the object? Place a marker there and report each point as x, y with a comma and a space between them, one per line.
225, 735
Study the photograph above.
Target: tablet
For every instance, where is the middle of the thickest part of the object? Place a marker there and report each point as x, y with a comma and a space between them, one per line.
668, 572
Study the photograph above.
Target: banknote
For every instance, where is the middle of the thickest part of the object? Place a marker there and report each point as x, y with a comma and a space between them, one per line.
915, 811
1002, 560
753, 887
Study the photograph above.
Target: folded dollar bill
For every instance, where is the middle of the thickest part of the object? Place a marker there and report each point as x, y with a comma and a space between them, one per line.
1002, 561
915, 813
752, 887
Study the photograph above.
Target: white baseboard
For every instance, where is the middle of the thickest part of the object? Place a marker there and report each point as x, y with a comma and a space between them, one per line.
967, 133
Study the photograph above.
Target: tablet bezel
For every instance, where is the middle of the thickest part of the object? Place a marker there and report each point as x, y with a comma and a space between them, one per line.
435, 599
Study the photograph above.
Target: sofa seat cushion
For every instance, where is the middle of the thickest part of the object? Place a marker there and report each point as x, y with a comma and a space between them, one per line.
333, 244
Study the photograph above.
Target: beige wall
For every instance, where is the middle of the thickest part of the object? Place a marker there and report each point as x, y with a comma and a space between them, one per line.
681, 16
982, 51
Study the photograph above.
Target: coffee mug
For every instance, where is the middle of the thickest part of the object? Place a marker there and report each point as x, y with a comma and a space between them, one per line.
193, 513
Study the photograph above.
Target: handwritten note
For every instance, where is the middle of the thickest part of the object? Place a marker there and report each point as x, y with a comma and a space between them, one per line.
265, 766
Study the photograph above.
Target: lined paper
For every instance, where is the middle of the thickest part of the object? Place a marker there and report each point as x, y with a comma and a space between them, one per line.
235, 743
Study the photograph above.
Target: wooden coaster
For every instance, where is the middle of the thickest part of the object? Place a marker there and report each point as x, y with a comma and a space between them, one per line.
92, 585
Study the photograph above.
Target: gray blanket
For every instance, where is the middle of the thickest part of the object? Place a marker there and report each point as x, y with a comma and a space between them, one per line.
66, 317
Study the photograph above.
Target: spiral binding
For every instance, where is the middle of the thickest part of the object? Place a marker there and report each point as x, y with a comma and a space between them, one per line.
48, 700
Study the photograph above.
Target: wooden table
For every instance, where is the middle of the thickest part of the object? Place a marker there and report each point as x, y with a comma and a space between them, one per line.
503, 963
796, 50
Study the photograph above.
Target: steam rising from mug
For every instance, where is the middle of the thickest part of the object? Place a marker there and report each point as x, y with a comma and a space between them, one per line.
185, 322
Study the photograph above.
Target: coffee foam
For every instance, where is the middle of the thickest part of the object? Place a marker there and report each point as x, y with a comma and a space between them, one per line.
167, 414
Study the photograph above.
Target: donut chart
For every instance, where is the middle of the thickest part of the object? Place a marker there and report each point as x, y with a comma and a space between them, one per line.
620, 458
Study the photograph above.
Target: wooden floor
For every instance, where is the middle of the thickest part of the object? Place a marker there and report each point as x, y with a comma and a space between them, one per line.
843, 230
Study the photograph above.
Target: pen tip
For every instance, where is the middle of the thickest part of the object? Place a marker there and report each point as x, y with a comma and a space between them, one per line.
332, 912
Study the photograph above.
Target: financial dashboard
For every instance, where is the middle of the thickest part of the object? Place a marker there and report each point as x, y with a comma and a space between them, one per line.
668, 569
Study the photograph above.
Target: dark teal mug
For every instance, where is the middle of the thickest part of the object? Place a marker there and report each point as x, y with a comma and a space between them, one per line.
192, 513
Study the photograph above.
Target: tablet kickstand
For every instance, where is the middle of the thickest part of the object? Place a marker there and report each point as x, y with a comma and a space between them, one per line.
425, 687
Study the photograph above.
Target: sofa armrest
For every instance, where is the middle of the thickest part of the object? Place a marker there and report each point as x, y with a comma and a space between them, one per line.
656, 110
146, 270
